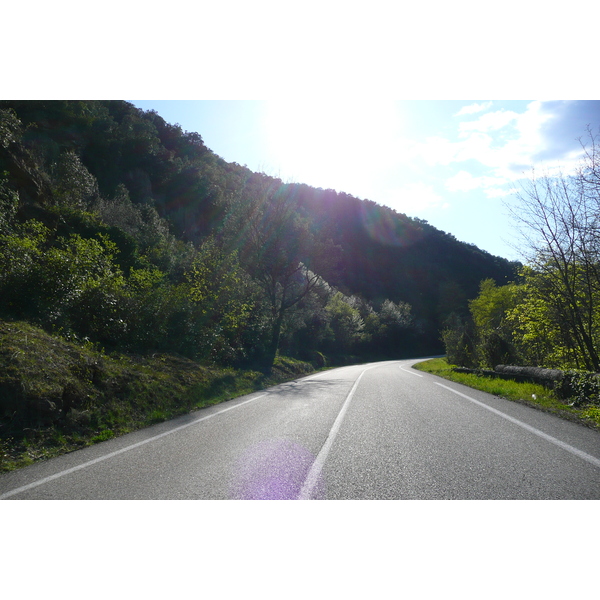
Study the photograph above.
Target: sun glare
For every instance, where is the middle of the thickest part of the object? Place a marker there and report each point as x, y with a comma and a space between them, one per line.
329, 143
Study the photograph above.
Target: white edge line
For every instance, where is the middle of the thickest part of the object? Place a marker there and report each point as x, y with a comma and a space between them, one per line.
121, 451
411, 372
316, 468
587, 457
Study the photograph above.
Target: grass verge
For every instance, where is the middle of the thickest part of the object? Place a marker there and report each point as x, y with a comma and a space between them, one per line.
57, 396
531, 394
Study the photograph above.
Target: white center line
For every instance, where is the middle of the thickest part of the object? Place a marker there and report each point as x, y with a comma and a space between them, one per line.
313, 475
121, 451
587, 457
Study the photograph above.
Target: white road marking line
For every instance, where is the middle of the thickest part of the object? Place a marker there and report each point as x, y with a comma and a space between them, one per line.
313, 475
587, 457
121, 451
411, 372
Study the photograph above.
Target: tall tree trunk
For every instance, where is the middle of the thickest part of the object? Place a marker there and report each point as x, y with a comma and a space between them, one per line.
274, 342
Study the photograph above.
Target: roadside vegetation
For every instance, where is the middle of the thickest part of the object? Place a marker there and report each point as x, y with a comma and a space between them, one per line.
142, 276
122, 229
531, 394
548, 317
59, 396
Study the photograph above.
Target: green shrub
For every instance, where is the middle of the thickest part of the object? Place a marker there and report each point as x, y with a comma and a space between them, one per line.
495, 350
460, 348
579, 387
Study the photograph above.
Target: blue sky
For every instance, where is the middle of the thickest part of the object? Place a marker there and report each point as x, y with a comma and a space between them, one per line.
454, 163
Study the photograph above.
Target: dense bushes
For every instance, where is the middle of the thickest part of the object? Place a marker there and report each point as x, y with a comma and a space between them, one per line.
579, 387
109, 284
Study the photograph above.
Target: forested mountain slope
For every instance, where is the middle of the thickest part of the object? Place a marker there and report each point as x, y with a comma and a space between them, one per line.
123, 229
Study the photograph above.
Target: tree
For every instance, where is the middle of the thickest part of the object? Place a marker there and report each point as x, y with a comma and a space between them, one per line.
74, 185
48, 280
493, 331
394, 329
459, 341
541, 324
345, 322
224, 298
560, 223
279, 252
9, 203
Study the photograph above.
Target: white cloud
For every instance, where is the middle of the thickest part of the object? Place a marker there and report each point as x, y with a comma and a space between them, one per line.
473, 108
464, 181
441, 151
491, 121
508, 143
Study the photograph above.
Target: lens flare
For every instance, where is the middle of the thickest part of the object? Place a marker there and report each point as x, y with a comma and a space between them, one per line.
273, 470
386, 227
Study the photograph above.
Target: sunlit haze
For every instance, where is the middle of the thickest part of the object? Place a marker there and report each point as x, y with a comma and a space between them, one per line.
453, 163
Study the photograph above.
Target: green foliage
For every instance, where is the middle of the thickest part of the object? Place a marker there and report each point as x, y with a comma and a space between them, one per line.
57, 396
9, 203
592, 414
20, 253
44, 278
489, 309
459, 342
217, 285
543, 324
580, 388
559, 219
106, 434
154, 243
345, 323
526, 393
529, 323
305, 327
10, 127
495, 350
492, 337
319, 360
278, 251
390, 331
460, 347
224, 297
75, 186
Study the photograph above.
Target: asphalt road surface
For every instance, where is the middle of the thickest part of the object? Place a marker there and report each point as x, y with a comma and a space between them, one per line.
374, 431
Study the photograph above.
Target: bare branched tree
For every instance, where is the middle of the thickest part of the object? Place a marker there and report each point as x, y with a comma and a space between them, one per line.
559, 219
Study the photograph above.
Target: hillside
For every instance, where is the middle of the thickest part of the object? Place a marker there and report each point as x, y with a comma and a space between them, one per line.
58, 396
124, 230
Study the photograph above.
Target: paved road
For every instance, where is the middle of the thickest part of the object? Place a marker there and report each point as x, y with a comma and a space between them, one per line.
375, 431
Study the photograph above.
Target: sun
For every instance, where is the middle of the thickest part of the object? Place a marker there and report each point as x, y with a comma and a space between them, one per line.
330, 143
